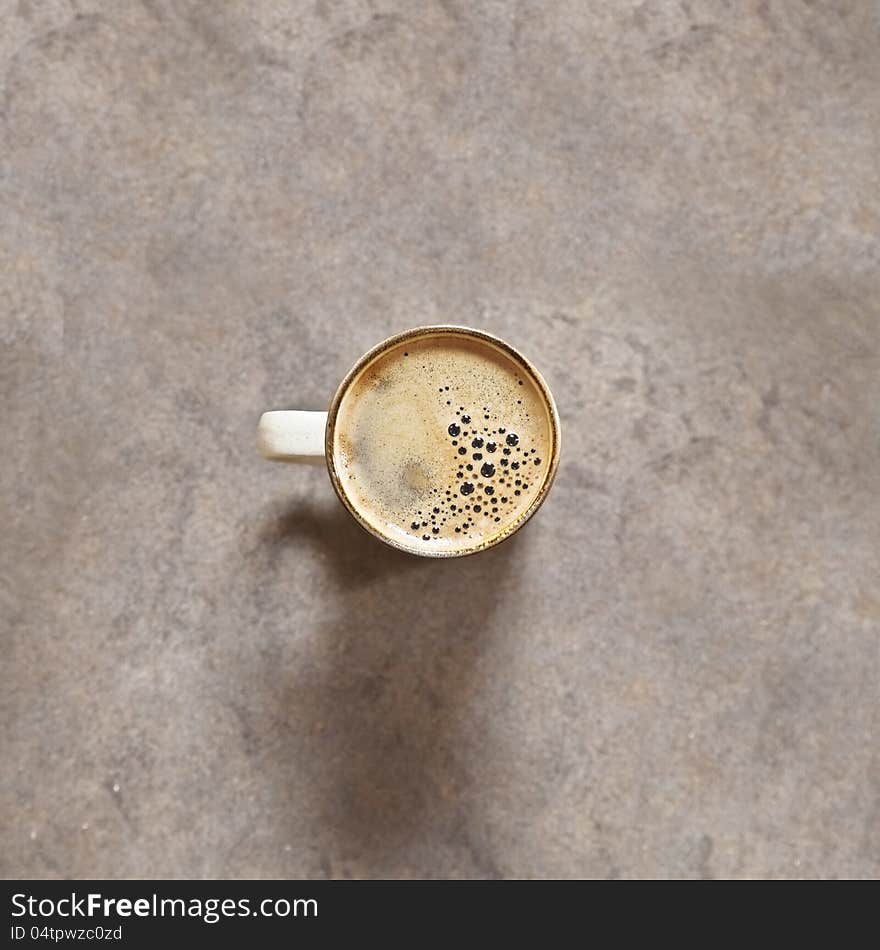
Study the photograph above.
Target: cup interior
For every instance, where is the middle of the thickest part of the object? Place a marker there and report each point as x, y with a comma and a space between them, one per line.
442, 441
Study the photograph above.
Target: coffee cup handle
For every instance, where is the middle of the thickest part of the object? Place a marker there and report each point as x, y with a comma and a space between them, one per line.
292, 436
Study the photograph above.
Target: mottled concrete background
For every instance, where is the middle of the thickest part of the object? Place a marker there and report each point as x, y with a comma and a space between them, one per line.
208, 209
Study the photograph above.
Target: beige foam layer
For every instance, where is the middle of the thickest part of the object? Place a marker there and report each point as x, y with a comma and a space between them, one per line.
395, 457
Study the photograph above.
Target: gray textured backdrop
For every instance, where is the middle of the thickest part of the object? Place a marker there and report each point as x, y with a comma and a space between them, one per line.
209, 209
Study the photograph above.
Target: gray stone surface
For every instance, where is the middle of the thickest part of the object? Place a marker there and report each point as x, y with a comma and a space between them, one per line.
209, 209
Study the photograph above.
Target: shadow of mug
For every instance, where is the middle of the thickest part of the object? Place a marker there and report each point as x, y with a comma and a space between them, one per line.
398, 650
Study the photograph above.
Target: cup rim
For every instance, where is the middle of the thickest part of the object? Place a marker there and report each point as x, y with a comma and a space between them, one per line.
454, 330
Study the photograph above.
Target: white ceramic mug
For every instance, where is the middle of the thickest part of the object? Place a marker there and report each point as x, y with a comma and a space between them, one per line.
316, 437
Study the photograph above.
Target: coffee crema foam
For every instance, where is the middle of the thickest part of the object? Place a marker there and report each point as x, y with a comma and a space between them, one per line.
443, 442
